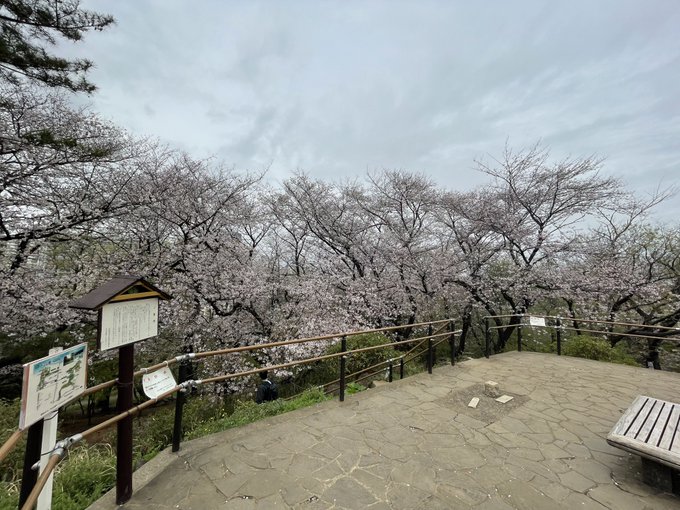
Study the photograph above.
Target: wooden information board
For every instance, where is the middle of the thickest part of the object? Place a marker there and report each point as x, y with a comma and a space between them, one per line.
127, 322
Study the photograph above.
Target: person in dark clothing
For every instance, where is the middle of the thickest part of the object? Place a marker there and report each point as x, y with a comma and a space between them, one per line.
267, 390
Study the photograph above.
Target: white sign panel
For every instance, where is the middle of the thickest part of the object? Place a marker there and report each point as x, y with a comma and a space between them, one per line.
536, 321
52, 381
127, 322
158, 382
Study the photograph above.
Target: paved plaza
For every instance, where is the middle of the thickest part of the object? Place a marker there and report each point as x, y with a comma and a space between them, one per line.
415, 444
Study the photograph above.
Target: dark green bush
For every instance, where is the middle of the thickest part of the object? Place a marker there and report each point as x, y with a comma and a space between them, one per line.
584, 346
353, 388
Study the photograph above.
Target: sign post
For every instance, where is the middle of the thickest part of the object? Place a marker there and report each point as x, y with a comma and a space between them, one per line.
128, 313
48, 383
49, 440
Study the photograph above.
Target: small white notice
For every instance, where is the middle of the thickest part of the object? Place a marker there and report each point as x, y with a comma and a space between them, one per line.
537, 321
474, 402
504, 399
127, 322
158, 382
52, 381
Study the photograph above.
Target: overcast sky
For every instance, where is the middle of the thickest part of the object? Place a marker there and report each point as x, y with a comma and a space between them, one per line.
339, 88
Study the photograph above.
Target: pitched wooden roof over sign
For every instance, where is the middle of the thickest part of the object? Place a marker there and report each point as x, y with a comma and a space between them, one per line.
120, 288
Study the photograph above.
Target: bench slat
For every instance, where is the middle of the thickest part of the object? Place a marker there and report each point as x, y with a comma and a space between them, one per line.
672, 426
661, 424
652, 411
630, 416
675, 446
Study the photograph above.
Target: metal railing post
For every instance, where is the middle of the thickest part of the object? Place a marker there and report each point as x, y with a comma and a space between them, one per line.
343, 360
389, 372
429, 349
558, 330
401, 367
31, 457
487, 338
184, 370
452, 342
519, 334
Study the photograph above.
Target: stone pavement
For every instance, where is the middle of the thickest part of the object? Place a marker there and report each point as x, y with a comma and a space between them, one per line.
415, 444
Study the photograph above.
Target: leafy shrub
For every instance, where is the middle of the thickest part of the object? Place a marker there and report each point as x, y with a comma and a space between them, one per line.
584, 346
353, 388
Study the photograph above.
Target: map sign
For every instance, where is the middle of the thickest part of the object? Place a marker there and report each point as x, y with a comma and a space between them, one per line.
158, 382
52, 381
127, 322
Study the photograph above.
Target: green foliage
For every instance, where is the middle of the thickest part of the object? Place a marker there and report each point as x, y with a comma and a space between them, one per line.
584, 346
29, 28
83, 477
10, 468
9, 495
153, 433
359, 361
353, 388
248, 411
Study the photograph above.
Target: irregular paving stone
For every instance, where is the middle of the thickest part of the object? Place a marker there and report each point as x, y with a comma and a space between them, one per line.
592, 470
415, 474
524, 497
551, 451
293, 494
406, 446
376, 485
403, 496
576, 481
347, 493
463, 457
461, 496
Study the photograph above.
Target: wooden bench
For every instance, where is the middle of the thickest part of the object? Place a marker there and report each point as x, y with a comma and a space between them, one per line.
649, 428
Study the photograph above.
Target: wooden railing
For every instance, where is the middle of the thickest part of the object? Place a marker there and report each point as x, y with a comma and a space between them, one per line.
560, 325
427, 344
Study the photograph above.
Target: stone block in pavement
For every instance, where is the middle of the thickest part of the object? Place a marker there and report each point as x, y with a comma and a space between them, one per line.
492, 389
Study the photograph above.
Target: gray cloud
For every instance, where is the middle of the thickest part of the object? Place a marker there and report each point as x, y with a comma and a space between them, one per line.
338, 88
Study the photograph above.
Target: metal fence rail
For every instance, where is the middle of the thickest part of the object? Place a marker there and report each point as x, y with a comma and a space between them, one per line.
431, 338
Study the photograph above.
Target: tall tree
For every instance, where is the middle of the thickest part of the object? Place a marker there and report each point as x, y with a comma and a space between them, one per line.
29, 29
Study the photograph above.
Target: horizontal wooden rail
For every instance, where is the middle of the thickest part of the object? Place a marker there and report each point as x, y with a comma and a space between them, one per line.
386, 362
10, 444
60, 450
598, 331
59, 453
578, 319
255, 347
617, 333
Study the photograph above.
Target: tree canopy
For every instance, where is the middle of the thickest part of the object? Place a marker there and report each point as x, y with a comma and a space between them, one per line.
30, 29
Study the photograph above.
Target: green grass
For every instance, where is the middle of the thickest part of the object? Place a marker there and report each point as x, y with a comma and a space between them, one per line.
248, 411
89, 471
